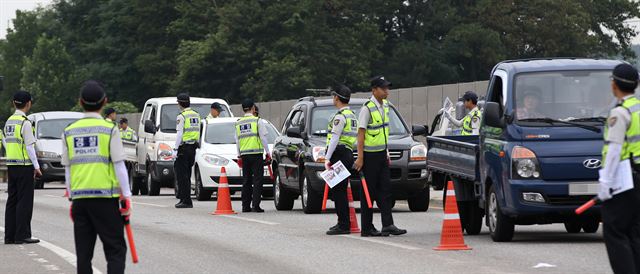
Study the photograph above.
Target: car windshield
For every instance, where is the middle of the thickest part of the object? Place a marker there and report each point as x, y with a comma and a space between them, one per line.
224, 133
579, 96
171, 111
52, 129
321, 115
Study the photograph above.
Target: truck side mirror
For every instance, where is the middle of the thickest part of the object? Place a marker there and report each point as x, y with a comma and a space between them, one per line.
418, 130
493, 116
149, 127
294, 132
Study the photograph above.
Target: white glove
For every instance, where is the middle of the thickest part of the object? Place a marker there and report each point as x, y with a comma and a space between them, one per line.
447, 114
605, 191
327, 165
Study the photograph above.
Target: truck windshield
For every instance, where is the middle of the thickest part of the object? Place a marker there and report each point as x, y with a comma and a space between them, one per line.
170, 112
572, 96
224, 133
52, 129
321, 115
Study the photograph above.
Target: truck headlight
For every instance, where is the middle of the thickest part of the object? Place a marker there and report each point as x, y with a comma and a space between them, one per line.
524, 164
165, 152
47, 154
319, 154
215, 160
418, 153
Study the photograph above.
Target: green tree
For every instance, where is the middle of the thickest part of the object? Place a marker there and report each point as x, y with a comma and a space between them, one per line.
120, 107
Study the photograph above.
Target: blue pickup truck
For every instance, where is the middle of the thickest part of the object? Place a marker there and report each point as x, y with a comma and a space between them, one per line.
538, 152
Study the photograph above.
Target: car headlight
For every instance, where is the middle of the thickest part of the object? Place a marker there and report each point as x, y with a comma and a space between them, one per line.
319, 154
524, 164
47, 154
165, 152
418, 153
215, 160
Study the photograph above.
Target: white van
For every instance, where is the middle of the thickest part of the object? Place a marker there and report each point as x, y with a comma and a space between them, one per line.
153, 167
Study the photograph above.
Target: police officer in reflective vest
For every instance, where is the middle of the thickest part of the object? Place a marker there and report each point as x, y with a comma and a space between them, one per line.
471, 122
188, 129
96, 178
373, 159
619, 190
251, 140
22, 167
110, 115
341, 139
127, 133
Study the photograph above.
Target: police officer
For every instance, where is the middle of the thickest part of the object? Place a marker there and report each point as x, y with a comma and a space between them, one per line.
216, 109
127, 133
373, 159
96, 178
251, 140
110, 115
471, 122
341, 139
22, 167
188, 129
621, 197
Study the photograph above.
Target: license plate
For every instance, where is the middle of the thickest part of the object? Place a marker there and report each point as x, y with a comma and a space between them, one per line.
586, 188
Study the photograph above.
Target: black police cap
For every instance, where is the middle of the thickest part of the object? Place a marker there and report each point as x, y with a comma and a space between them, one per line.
92, 93
341, 91
21, 97
183, 97
470, 95
380, 82
625, 73
247, 104
108, 111
217, 106
124, 120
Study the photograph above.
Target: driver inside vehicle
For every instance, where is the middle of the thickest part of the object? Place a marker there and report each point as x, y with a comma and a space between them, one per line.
530, 105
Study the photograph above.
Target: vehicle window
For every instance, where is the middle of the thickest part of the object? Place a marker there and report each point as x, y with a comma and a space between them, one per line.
565, 95
321, 115
301, 120
224, 133
169, 112
147, 112
496, 92
287, 122
52, 129
152, 115
295, 120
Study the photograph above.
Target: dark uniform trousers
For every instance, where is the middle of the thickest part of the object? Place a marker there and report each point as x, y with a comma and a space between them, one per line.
17, 217
182, 166
376, 172
621, 229
339, 192
101, 217
252, 171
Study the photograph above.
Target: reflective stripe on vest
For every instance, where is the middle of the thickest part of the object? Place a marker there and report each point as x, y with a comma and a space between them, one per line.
127, 134
631, 144
467, 122
377, 134
92, 173
191, 129
16, 149
349, 132
248, 137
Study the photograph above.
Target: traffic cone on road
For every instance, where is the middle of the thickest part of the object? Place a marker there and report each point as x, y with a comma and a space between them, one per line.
224, 197
352, 210
451, 237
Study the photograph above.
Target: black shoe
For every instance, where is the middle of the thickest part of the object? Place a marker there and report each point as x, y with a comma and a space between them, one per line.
334, 227
257, 210
27, 241
373, 233
246, 209
338, 231
393, 230
184, 205
9, 242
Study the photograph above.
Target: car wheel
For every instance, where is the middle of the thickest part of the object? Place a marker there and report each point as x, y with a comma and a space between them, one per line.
420, 201
591, 225
311, 201
470, 217
573, 226
500, 226
154, 186
283, 199
201, 193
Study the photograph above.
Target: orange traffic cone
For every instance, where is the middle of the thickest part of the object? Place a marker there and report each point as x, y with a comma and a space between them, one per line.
352, 210
451, 237
224, 197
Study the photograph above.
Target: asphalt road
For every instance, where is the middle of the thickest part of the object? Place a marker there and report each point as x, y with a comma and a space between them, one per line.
173, 240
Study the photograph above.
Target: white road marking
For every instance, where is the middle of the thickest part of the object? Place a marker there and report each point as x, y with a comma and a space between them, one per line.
541, 265
40, 260
51, 267
148, 204
61, 252
54, 196
407, 247
250, 220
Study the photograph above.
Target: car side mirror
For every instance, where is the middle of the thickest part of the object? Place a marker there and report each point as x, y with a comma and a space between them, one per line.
418, 130
294, 132
493, 116
150, 127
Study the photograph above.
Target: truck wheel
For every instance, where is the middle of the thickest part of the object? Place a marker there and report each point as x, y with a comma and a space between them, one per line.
133, 185
201, 193
500, 226
470, 217
573, 226
283, 199
144, 188
420, 201
154, 186
591, 225
311, 201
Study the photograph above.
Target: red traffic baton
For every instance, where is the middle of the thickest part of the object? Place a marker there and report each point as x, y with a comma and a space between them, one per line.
271, 173
363, 181
587, 205
132, 244
325, 197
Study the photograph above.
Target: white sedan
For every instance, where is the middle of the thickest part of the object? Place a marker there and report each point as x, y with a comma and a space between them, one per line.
217, 150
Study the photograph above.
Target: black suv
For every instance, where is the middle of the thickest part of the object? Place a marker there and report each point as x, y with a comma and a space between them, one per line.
298, 156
